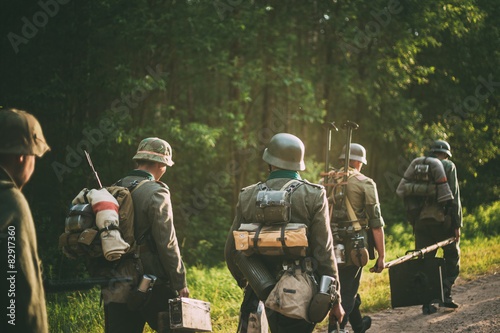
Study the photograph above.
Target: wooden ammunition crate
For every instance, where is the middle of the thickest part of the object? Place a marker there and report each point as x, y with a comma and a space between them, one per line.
417, 282
189, 315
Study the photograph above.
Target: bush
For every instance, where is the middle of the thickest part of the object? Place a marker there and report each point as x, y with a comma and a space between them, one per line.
482, 221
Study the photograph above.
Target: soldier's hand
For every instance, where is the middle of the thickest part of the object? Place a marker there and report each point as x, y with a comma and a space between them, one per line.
184, 292
337, 312
379, 266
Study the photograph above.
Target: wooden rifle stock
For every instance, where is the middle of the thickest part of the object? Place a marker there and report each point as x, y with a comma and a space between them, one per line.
420, 252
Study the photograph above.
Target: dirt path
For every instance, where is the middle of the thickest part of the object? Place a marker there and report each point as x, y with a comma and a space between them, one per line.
479, 312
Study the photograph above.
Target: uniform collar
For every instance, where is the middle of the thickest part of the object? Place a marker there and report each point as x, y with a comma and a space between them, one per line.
284, 174
142, 173
6, 178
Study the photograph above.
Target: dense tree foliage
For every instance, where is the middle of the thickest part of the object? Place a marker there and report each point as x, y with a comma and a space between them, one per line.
218, 78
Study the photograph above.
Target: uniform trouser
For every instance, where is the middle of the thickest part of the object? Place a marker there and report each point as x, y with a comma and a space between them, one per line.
252, 318
429, 233
349, 277
119, 319
279, 323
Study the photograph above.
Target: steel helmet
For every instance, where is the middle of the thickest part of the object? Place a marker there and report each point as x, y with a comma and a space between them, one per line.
440, 146
358, 153
285, 151
21, 133
156, 150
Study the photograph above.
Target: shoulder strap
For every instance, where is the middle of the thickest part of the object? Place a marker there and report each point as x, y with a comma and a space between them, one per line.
350, 211
250, 186
291, 186
135, 185
352, 215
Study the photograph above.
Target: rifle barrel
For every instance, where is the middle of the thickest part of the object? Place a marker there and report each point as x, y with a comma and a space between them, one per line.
420, 252
91, 165
54, 286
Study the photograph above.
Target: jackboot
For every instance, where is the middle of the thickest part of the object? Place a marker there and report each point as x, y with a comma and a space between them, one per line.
448, 300
428, 309
366, 323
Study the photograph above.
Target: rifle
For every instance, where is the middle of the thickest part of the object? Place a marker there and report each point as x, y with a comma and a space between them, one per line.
328, 148
419, 253
57, 286
349, 125
94, 173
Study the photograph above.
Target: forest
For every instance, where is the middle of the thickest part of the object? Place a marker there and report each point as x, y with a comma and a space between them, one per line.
218, 78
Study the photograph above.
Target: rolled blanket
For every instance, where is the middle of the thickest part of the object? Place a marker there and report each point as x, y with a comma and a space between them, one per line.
438, 178
80, 198
105, 208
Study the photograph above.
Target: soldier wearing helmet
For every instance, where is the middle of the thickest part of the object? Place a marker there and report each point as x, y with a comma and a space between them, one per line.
155, 234
285, 158
21, 139
428, 231
360, 221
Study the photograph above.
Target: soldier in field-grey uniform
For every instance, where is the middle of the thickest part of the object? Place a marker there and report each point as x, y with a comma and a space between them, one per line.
309, 206
23, 296
362, 195
429, 232
155, 234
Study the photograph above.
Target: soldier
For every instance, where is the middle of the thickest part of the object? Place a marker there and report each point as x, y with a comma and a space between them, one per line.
430, 232
309, 206
362, 196
21, 139
155, 232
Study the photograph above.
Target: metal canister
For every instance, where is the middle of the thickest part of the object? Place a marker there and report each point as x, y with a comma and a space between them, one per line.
256, 273
146, 283
80, 217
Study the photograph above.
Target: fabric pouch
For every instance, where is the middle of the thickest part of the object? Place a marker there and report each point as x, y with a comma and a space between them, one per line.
432, 213
272, 240
292, 294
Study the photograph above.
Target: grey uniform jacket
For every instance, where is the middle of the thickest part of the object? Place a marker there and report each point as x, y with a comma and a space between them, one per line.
456, 205
309, 206
153, 217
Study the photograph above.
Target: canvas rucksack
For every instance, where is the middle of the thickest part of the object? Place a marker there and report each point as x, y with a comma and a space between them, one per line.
425, 190
350, 245
84, 239
271, 233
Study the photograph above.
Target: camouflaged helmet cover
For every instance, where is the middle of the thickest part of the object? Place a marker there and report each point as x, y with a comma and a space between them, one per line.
21, 133
156, 150
358, 153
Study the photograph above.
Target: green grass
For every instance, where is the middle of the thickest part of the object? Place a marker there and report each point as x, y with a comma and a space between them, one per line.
478, 257
75, 311
80, 311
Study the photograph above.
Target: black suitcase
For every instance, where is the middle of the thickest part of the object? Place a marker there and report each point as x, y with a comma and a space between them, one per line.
417, 282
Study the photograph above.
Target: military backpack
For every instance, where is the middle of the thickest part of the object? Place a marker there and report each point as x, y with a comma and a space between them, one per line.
108, 251
425, 190
272, 233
